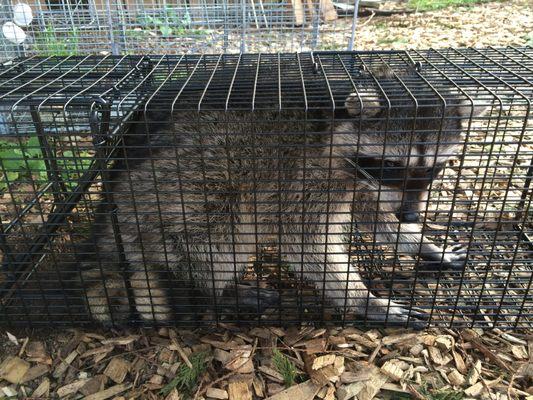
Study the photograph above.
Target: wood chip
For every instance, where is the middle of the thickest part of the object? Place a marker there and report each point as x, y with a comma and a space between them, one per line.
121, 341
519, 352
43, 389
392, 370
64, 364
271, 374
156, 379
322, 361
359, 376
221, 355
372, 386
13, 369
302, 391
445, 343
35, 351
316, 376
94, 385
71, 388
173, 395
9, 392
437, 357
117, 369
327, 393
315, 346
259, 386
459, 362
108, 393
215, 393
35, 372
347, 392
389, 340
99, 350
238, 390
456, 378
474, 390
474, 373
416, 349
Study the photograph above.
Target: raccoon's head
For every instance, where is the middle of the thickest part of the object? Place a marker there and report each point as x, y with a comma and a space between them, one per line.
401, 144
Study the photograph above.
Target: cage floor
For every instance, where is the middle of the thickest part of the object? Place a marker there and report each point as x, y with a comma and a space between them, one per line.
492, 292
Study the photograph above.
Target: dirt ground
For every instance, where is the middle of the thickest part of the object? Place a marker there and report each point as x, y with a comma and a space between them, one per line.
300, 363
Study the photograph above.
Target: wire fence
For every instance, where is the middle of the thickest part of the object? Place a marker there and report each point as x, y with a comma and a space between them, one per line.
350, 187
67, 27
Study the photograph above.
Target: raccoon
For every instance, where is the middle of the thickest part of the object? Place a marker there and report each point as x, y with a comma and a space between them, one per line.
213, 186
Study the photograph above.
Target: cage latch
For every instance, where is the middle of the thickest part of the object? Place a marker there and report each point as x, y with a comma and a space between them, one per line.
99, 120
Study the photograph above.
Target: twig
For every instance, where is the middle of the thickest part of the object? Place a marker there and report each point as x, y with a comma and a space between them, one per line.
375, 353
415, 393
490, 355
174, 340
369, 19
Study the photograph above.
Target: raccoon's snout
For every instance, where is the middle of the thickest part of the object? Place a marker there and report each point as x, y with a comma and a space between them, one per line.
408, 217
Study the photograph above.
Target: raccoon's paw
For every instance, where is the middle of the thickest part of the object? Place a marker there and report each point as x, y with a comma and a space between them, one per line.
391, 313
106, 297
250, 298
452, 260
151, 298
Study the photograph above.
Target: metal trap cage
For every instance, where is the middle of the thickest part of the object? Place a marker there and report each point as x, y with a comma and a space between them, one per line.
268, 189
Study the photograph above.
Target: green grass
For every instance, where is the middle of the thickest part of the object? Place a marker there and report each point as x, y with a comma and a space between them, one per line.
285, 367
441, 394
431, 5
187, 378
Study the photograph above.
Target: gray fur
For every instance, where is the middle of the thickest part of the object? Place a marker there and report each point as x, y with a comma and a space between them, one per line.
223, 183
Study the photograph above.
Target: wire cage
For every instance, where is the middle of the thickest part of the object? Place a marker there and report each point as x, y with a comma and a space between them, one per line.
350, 187
76, 27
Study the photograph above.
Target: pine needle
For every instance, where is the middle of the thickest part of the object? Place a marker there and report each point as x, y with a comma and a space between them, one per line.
187, 378
285, 367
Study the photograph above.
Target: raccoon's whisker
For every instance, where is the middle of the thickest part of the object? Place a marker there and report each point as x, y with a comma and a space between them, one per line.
373, 182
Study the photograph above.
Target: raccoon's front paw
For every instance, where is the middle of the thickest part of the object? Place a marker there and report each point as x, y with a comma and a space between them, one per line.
451, 260
151, 298
106, 297
394, 314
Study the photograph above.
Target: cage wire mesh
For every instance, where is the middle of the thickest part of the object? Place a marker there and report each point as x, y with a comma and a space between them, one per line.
68, 27
276, 188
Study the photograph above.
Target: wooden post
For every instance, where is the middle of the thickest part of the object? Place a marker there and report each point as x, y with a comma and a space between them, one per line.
327, 10
298, 9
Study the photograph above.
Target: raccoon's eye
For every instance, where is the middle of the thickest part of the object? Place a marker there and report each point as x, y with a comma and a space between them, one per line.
391, 164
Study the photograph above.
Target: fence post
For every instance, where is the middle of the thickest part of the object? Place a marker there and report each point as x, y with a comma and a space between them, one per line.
354, 24
115, 49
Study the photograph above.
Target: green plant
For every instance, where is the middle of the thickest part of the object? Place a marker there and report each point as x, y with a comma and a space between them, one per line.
442, 394
21, 159
187, 378
169, 23
48, 43
529, 38
24, 159
285, 367
431, 5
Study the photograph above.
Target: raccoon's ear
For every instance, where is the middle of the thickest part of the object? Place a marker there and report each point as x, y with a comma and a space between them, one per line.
364, 105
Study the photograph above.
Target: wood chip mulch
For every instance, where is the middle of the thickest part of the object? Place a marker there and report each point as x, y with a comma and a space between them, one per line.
267, 363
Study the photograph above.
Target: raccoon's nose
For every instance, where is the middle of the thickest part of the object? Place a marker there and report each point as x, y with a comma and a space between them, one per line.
408, 217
